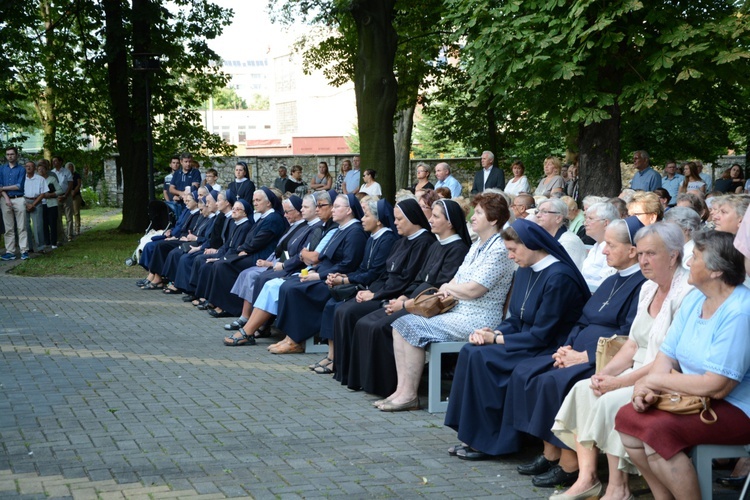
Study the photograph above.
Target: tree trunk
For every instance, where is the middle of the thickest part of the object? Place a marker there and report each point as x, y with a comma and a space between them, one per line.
493, 139
375, 88
46, 108
599, 156
129, 126
402, 140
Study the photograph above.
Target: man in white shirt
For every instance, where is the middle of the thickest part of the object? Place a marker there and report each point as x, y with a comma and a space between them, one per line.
445, 179
490, 176
595, 268
34, 188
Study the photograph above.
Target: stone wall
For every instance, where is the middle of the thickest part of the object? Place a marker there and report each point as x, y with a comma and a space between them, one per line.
263, 170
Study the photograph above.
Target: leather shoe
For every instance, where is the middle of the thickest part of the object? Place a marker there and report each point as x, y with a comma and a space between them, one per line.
408, 406
731, 481
222, 314
554, 477
539, 465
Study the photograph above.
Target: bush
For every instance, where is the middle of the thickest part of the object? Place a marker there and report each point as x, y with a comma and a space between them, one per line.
90, 196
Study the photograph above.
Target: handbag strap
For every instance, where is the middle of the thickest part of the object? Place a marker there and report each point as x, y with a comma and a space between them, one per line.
431, 289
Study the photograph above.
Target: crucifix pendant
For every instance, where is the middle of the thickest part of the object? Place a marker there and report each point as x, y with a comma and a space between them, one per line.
522, 311
604, 304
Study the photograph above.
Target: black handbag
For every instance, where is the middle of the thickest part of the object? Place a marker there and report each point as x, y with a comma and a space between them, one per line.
341, 293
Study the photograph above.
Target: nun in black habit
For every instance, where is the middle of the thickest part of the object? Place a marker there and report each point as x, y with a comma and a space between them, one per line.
546, 302
301, 299
242, 188
364, 353
538, 385
259, 242
385, 270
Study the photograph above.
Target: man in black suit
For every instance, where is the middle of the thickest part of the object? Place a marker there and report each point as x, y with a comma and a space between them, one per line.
490, 176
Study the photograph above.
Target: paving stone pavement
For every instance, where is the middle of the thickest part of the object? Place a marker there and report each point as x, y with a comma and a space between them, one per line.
113, 392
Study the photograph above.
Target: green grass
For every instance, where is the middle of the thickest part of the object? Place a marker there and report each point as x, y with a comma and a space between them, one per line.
99, 252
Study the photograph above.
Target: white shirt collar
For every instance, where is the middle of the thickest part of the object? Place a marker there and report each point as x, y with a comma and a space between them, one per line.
380, 232
240, 181
314, 221
351, 222
241, 221
449, 239
631, 270
544, 263
415, 235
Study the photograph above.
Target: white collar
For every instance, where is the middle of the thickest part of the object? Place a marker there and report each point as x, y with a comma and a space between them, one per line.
241, 221
415, 235
297, 223
211, 215
348, 224
194, 210
488, 168
240, 181
544, 263
228, 214
314, 221
630, 271
380, 232
266, 213
449, 239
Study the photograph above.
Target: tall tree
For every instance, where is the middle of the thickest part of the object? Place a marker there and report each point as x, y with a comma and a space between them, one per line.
589, 65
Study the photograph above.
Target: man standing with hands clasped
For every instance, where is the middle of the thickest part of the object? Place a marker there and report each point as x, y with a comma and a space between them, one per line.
490, 176
13, 205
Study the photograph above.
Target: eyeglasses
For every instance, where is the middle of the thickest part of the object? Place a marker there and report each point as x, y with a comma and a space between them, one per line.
590, 219
545, 212
290, 211
323, 205
235, 209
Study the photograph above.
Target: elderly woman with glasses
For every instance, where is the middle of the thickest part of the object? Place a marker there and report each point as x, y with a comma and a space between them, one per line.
551, 216
597, 219
647, 207
706, 353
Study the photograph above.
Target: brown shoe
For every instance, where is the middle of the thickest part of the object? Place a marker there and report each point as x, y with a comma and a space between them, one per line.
278, 344
290, 347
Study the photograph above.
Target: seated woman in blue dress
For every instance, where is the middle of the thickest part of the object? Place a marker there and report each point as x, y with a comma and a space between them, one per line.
538, 385
365, 349
378, 222
546, 302
480, 285
706, 353
400, 265
342, 251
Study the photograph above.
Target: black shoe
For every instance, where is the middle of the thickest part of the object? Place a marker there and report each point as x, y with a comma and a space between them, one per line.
556, 476
469, 453
539, 465
732, 482
222, 314
189, 298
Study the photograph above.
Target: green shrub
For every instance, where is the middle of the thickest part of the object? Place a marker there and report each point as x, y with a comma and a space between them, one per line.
90, 196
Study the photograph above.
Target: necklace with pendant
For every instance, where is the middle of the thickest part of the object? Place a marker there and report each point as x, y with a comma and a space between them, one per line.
614, 291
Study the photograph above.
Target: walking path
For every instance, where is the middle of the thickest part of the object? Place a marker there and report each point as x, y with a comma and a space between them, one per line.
107, 391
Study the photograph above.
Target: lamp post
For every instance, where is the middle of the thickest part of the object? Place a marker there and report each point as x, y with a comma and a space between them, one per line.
148, 62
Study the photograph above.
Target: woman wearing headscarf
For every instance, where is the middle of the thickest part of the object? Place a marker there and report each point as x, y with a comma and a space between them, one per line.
259, 242
301, 299
340, 250
538, 385
242, 188
480, 285
378, 221
546, 302
364, 357
232, 302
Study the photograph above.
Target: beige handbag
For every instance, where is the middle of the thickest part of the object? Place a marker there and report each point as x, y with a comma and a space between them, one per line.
429, 303
686, 404
606, 348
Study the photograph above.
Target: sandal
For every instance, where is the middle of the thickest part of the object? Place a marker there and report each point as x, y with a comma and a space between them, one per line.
324, 370
453, 450
243, 339
234, 325
323, 362
153, 286
171, 290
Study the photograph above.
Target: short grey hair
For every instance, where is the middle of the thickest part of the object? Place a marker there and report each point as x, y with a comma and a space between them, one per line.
643, 154
627, 195
558, 206
738, 202
720, 255
687, 218
490, 154
669, 233
372, 206
604, 210
423, 165
591, 199
322, 196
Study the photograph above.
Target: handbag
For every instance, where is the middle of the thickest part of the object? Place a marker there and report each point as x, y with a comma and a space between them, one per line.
341, 293
428, 303
686, 404
606, 348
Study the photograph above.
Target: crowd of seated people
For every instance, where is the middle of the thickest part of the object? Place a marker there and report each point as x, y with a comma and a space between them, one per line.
536, 288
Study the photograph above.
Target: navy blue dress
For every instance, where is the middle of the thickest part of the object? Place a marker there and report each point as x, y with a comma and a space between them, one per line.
202, 269
202, 231
538, 324
301, 303
369, 360
217, 235
162, 249
259, 243
537, 389
377, 252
